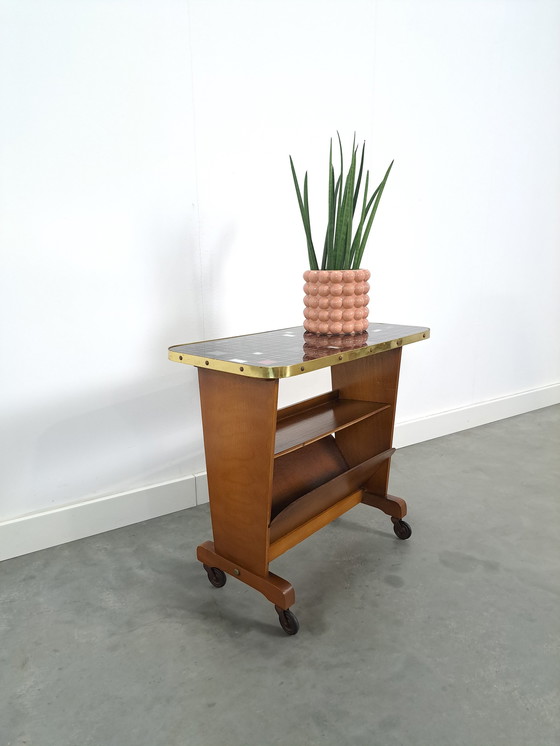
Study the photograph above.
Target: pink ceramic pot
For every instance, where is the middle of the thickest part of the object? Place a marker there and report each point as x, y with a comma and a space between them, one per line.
336, 301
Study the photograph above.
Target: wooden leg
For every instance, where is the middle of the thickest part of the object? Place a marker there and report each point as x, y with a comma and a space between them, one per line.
277, 590
390, 505
393, 506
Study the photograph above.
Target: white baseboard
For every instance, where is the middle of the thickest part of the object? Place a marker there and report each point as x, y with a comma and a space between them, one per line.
50, 528
454, 420
201, 481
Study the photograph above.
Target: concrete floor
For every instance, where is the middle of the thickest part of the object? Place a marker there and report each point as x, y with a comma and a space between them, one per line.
450, 638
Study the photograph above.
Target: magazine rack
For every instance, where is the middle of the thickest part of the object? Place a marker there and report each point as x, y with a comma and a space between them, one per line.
275, 476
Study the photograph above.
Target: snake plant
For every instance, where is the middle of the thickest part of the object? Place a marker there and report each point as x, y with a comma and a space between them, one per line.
341, 250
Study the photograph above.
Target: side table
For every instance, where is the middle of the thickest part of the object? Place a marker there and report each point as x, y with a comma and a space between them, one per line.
275, 476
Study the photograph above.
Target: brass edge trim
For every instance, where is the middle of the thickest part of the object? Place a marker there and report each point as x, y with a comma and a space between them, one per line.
289, 371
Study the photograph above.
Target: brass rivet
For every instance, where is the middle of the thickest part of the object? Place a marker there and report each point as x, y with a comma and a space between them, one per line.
180, 357
340, 357
207, 362
236, 572
302, 368
242, 368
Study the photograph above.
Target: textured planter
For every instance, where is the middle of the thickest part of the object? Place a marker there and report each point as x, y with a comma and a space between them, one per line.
336, 301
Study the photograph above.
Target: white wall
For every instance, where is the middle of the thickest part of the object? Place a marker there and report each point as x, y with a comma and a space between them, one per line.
100, 254
146, 200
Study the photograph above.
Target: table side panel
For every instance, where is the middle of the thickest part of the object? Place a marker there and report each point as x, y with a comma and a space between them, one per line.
239, 424
372, 378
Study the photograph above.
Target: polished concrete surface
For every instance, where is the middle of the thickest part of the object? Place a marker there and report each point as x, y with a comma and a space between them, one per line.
450, 638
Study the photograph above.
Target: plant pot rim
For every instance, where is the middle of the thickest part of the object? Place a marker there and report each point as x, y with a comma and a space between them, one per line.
311, 274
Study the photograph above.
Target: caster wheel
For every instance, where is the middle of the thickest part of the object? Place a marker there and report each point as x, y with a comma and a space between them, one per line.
288, 621
402, 529
216, 576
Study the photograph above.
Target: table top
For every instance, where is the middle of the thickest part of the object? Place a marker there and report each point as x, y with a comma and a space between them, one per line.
284, 353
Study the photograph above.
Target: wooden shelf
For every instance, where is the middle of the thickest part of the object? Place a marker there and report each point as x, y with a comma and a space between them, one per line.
298, 472
306, 508
313, 419
319, 520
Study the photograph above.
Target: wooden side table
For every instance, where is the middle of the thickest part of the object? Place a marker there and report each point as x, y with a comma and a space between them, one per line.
275, 476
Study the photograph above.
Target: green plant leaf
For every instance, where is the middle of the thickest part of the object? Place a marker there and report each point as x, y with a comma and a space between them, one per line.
358, 236
341, 167
311, 249
329, 263
331, 215
359, 179
325, 254
344, 220
377, 197
340, 249
304, 210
